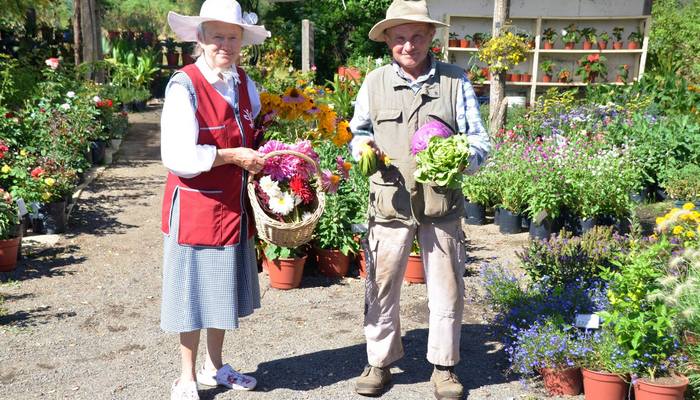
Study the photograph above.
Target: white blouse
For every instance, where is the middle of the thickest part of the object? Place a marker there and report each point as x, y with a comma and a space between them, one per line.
179, 129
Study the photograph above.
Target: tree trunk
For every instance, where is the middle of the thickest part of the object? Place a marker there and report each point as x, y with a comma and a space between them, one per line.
92, 37
77, 45
497, 108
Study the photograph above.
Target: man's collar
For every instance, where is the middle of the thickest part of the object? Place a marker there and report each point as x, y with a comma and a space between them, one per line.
209, 74
403, 75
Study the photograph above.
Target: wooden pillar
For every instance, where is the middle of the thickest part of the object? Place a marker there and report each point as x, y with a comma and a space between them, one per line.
92, 36
498, 104
307, 45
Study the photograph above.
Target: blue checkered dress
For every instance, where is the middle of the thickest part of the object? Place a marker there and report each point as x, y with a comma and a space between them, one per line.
207, 287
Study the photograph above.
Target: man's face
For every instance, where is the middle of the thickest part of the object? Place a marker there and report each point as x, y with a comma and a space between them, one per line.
409, 43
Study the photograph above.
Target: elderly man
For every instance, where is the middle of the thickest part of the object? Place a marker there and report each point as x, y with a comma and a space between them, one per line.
393, 102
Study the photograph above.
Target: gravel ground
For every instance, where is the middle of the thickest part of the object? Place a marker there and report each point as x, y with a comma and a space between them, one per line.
81, 318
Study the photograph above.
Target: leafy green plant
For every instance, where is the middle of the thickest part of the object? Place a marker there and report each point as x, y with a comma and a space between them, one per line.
635, 36
570, 34
683, 183
589, 34
604, 354
478, 188
547, 66
604, 37
8, 215
592, 65
617, 33
274, 252
442, 161
549, 34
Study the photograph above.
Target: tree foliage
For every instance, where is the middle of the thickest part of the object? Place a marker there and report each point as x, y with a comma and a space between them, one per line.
673, 42
341, 29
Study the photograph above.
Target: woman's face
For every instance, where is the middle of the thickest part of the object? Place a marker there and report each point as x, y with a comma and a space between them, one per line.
221, 43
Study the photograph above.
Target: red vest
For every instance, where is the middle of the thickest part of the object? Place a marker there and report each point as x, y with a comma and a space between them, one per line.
213, 203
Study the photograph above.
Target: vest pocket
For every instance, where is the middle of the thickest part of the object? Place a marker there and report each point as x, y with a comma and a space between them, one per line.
388, 199
440, 200
201, 213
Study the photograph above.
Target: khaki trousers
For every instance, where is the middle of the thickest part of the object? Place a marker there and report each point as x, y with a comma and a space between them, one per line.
443, 255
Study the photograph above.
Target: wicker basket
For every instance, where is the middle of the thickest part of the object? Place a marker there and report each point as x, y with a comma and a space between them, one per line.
286, 234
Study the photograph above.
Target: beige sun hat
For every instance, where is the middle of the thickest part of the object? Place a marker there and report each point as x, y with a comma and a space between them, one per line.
228, 11
402, 12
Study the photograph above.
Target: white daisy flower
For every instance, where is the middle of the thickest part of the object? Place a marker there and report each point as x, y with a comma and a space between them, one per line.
96, 99
270, 186
306, 215
65, 106
70, 94
283, 204
563, 32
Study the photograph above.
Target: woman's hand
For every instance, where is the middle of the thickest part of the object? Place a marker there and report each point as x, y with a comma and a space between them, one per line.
244, 157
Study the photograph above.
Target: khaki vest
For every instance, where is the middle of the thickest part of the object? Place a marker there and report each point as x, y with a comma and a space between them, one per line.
396, 113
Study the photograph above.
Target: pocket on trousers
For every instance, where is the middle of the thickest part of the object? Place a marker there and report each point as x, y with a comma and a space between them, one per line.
387, 201
439, 200
201, 213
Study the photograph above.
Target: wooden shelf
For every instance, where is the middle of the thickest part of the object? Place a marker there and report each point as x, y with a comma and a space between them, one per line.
564, 58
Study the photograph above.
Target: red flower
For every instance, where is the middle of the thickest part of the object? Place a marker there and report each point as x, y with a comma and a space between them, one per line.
9, 115
37, 172
108, 102
301, 189
593, 58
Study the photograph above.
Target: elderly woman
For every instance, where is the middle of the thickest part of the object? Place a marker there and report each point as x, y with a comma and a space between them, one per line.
209, 270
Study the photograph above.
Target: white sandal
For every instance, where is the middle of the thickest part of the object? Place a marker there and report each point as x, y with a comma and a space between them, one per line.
184, 391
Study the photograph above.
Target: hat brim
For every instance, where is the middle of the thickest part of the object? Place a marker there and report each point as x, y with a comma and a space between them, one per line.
377, 31
185, 28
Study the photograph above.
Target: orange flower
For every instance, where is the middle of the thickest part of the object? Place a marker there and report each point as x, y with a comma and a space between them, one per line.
343, 134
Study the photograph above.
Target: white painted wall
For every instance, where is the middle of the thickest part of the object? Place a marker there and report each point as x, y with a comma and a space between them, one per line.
536, 8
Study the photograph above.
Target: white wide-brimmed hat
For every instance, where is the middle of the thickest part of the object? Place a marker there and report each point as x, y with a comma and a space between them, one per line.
402, 12
228, 11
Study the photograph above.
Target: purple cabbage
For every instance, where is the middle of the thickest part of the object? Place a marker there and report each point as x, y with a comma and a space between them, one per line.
425, 132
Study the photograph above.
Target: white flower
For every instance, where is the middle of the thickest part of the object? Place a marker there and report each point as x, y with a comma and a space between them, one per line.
96, 99
306, 215
563, 32
378, 62
290, 69
65, 106
283, 204
70, 94
270, 187
297, 200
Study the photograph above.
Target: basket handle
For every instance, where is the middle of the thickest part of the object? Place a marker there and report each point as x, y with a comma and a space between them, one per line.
293, 153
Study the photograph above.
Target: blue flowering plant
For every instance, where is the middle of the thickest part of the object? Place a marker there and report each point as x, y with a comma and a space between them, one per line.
547, 344
603, 353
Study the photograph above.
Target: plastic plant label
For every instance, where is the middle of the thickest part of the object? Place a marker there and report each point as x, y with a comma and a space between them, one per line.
587, 321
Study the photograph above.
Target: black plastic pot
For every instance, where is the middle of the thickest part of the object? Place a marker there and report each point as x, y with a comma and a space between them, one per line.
641, 196
97, 148
526, 221
587, 224
497, 215
509, 223
545, 228
55, 220
476, 213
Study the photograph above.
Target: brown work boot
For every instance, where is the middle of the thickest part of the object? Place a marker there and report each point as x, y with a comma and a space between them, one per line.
372, 381
446, 383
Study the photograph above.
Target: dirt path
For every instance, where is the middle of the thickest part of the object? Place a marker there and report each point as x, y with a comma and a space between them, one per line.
81, 319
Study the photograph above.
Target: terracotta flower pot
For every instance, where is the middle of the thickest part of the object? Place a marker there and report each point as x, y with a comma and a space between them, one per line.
546, 78
603, 386
562, 381
617, 45
463, 43
515, 77
173, 59
633, 45
285, 273
602, 45
525, 78
587, 45
570, 45
8, 254
414, 270
548, 45
658, 390
619, 79
509, 77
332, 263
362, 264
453, 43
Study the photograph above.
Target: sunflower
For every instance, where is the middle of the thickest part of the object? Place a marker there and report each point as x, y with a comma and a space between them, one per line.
343, 134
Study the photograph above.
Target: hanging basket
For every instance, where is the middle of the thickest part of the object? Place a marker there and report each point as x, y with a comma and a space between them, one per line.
286, 234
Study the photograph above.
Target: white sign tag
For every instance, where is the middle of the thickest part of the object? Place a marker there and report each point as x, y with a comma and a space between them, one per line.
587, 321
22, 207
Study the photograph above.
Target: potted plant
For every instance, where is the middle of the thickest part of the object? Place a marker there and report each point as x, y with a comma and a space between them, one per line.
187, 49
549, 35
617, 35
553, 351
171, 55
564, 76
589, 37
527, 38
285, 266
478, 39
10, 236
477, 191
525, 77
547, 67
634, 40
503, 52
682, 183
415, 273
623, 71
603, 39
465, 41
570, 36
591, 66
453, 40
605, 367
515, 75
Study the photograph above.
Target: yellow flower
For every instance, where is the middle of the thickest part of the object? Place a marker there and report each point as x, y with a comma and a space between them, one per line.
688, 206
6, 169
46, 195
23, 153
343, 134
689, 234
677, 230
49, 181
660, 220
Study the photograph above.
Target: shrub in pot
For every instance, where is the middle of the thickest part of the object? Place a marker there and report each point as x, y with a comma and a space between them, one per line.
605, 367
478, 190
10, 236
285, 266
682, 183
